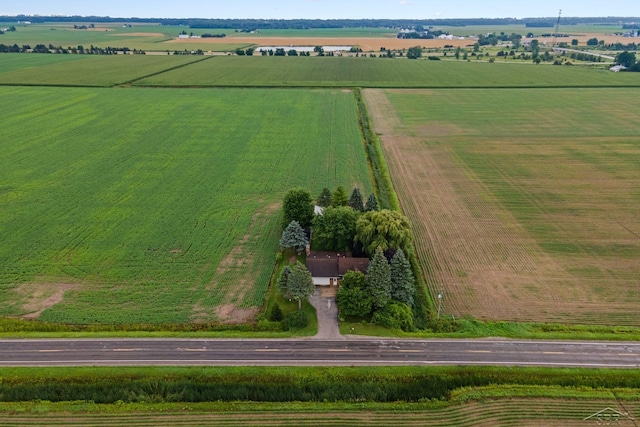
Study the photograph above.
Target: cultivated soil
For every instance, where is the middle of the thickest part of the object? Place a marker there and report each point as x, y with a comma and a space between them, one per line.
473, 251
37, 297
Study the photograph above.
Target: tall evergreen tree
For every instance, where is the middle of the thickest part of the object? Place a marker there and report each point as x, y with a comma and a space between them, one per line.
379, 279
372, 203
402, 280
339, 197
294, 237
324, 199
300, 283
283, 280
355, 201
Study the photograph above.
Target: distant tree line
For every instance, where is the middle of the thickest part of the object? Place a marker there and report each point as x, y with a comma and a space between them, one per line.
255, 24
79, 50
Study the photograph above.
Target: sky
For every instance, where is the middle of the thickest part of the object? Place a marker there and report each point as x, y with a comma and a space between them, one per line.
322, 9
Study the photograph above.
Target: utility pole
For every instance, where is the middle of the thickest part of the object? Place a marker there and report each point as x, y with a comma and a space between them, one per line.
439, 303
553, 43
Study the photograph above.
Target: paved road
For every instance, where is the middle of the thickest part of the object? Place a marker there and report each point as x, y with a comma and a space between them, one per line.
352, 351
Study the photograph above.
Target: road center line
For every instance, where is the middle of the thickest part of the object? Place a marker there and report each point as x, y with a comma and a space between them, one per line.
338, 350
267, 349
50, 351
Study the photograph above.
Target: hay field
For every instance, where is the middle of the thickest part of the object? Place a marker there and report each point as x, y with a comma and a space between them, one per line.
153, 206
525, 203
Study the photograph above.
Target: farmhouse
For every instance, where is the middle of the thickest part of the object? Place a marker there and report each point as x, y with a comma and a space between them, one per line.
328, 268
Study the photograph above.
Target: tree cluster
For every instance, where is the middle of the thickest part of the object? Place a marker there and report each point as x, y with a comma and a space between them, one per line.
79, 50
628, 60
335, 228
386, 290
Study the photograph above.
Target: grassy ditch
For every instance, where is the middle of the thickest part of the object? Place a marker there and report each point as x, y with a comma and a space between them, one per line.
293, 384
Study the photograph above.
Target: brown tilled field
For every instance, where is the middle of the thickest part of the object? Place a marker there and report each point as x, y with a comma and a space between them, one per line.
532, 214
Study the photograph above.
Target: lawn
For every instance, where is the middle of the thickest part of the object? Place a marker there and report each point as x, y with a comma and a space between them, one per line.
82, 70
150, 206
525, 203
381, 72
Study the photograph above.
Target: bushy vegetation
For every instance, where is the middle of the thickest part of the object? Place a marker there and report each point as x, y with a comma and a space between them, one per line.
286, 384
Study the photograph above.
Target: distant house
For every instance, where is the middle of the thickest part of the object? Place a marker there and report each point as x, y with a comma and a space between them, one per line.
617, 68
328, 268
183, 36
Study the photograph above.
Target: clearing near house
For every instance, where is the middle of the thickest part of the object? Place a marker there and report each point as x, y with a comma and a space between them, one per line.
525, 203
151, 206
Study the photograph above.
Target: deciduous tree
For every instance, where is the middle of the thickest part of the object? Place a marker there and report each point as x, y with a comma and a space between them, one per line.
385, 229
626, 59
299, 283
414, 52
298, 206
353, 298
335, 229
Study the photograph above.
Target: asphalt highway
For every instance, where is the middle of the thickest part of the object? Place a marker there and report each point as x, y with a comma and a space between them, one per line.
310, 352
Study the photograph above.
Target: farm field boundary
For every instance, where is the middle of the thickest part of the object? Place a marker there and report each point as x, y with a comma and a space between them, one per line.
113, 214
501, 232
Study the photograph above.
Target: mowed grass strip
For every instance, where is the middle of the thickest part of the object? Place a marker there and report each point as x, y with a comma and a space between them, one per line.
381, 72
82, 70
494, 412
525, 203
151, 206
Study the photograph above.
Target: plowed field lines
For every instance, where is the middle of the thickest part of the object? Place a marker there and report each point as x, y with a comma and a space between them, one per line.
473, 250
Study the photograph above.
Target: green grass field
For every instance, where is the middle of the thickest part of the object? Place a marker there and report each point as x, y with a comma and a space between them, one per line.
379, 72
318, 396
134, 205
525, 203
82, 70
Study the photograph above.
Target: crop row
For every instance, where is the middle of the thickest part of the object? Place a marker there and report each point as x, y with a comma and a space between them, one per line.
143, 202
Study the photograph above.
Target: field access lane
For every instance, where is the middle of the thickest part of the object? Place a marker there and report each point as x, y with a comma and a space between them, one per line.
305, 352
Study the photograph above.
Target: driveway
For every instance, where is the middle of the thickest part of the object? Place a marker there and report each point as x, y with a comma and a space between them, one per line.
324, 301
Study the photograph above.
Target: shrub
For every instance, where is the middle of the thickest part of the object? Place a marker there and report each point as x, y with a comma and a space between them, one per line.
276, 313
296, 320
395, 316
